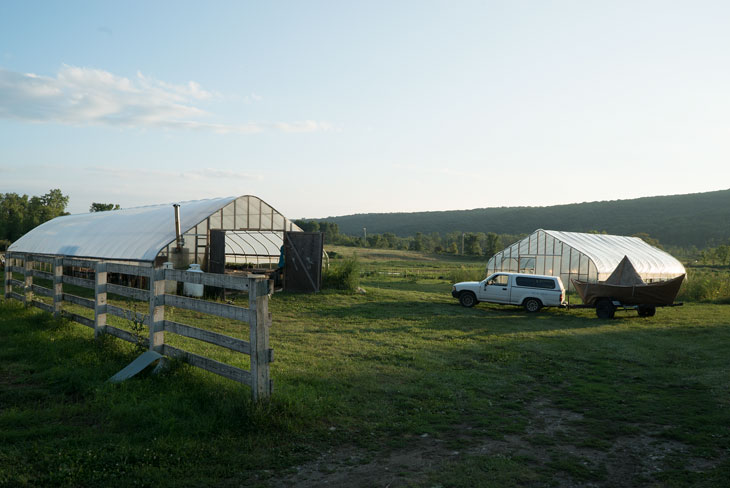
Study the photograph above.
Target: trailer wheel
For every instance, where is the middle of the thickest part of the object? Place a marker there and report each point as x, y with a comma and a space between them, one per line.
532, 305
605, 308
646, 310
467, 299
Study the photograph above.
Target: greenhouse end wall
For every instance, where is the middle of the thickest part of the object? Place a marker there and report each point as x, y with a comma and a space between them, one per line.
541, 253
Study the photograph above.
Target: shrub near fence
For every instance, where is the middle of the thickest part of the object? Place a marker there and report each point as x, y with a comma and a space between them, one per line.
256, 315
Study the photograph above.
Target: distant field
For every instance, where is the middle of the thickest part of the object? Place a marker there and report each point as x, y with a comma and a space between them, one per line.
398, 386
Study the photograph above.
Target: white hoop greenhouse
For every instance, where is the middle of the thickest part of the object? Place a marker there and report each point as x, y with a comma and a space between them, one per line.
586, 257
254, 233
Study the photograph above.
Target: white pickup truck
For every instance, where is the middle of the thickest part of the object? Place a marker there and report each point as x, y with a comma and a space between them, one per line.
530, 291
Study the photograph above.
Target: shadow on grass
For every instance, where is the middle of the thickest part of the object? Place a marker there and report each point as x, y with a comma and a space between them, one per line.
498, 319
438, 287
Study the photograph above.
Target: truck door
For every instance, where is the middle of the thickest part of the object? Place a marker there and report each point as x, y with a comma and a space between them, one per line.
496, 290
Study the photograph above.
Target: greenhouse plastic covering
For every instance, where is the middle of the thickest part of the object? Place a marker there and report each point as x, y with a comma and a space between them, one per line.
607, 251
141, 233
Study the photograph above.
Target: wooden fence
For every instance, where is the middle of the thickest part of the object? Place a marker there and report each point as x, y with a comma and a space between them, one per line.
256, 315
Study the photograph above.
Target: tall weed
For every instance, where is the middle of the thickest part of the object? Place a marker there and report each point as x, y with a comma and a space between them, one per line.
466, 274
706, 286
343, 275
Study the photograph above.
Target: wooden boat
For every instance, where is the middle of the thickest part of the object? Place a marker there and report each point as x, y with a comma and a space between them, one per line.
661, 293
625, 288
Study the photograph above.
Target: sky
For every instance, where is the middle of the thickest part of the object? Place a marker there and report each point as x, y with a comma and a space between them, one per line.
326, 108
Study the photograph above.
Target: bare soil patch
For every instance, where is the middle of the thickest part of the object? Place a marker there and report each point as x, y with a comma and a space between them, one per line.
552, 436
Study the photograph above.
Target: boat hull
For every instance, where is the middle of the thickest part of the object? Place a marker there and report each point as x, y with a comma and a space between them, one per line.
661, 293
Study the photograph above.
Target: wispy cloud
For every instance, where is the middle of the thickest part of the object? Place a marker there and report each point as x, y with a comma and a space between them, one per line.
184, 174
85, 96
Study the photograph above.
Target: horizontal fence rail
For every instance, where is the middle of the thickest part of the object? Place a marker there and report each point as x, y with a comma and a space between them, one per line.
82, 302
215, 338
217, 280
128, 292
93, 275
212, 308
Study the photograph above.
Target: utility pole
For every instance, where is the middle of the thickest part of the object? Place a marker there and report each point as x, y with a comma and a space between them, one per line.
462, 243
365, 232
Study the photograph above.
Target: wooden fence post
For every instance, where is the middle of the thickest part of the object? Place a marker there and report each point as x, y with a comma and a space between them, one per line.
99, 298
57, 286
8, 274
28, 282
157, 309
258, 299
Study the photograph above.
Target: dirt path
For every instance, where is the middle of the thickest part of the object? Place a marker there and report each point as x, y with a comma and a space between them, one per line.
552, 436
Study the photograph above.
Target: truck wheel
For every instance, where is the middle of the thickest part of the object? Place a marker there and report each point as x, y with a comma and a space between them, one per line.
532, 305
605, 308
646, 310
467, 299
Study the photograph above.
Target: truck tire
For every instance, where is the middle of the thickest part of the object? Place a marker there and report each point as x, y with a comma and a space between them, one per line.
605, 308
532, 305
646, 310
467, 299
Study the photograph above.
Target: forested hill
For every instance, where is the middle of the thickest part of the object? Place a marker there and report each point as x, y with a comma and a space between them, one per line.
683, 220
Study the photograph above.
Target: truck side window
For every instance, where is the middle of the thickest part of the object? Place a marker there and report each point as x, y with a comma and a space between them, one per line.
499, 280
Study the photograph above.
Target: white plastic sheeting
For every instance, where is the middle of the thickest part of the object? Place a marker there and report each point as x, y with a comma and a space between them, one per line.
142, 233
587, 257
606, 251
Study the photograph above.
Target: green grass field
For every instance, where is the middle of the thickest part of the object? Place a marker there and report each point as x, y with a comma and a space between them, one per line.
397, 386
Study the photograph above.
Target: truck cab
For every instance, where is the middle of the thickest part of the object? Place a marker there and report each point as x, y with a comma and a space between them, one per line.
530, 291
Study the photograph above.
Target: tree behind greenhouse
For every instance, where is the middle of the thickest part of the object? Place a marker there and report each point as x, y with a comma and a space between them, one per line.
19, 214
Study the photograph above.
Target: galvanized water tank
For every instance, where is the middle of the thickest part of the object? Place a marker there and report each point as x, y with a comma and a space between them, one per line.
193, 289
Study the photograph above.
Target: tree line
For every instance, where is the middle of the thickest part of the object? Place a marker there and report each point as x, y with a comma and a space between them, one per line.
457, 243
715, 255
22, 213
698, 220
486, 244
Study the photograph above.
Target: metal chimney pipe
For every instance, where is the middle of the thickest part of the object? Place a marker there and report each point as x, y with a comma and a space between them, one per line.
178, 234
